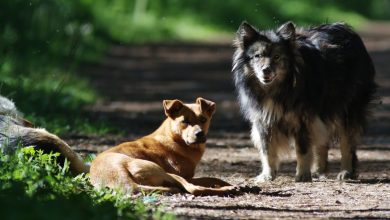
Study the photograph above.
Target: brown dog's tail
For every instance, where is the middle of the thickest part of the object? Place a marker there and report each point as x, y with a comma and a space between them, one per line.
14, 132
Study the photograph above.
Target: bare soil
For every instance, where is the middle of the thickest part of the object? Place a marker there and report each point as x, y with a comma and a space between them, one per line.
135, 79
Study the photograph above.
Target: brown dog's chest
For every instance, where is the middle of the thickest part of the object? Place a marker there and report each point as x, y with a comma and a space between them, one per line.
179, 165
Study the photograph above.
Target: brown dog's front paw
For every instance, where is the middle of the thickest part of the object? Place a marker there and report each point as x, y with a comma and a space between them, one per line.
229, 190
249, 189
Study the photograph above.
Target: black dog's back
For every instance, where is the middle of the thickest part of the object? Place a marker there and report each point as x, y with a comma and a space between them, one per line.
339, 72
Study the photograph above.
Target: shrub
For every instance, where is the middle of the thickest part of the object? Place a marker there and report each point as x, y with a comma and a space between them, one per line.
34, 186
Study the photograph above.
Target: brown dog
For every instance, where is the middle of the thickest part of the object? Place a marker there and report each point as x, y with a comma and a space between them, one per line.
166, 159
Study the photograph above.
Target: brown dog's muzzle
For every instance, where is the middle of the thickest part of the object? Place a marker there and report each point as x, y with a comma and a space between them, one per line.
200, 137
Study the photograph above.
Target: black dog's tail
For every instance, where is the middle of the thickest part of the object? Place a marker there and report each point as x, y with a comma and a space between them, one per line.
15, 133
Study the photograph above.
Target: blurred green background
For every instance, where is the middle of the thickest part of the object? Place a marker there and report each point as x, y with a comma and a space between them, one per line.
44, 41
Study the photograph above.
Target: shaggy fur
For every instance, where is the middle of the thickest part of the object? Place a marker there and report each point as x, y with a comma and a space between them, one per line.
303, 87
16, 132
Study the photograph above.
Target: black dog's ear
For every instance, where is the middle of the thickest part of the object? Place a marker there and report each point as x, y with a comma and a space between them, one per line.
172, 107
246, 34
287, 31
206, 106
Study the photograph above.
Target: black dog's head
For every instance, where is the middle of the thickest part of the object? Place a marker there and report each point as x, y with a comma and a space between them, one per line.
265, 54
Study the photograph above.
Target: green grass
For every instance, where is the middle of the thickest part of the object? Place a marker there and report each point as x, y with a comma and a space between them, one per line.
34, 186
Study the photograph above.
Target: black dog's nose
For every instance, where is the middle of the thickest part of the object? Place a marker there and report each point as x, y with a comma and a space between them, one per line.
267, 70
199, 134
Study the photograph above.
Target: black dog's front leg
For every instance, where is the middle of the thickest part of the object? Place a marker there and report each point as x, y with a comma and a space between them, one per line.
304, 155
262, 139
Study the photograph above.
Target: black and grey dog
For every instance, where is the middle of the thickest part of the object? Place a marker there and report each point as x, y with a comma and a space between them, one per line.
305, 88
16, 132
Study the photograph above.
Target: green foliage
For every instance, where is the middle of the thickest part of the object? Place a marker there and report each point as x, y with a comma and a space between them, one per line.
34, 186
43, 89
42, 41
150, 21
46, 29
39, 172
144, 21
49, 96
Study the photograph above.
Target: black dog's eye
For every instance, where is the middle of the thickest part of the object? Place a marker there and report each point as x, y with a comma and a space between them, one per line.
276, 57
203, 120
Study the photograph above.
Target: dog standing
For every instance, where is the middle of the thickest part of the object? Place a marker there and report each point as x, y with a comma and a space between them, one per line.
164, 160
303, 87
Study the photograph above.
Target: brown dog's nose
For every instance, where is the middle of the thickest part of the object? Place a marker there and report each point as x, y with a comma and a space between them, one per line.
199, 134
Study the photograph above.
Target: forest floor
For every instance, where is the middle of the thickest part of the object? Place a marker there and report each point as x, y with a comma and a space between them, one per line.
135, 79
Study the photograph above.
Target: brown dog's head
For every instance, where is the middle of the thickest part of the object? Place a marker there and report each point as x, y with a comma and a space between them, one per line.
190, 122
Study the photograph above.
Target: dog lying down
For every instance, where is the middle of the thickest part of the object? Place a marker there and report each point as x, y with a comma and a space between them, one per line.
166, 159
163, 161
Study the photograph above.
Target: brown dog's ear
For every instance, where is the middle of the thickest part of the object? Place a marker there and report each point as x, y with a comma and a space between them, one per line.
206, 106
172, 107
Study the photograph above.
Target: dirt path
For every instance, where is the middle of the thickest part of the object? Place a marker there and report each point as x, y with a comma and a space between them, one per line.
134, 80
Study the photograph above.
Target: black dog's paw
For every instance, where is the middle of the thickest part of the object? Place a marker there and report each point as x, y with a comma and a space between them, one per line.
304, 177
346, 175
319, 176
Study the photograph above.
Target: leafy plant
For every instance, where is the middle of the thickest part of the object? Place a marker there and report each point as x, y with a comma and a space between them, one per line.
33, 185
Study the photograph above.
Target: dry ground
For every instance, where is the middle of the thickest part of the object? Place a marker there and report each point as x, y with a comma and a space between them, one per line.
134, 80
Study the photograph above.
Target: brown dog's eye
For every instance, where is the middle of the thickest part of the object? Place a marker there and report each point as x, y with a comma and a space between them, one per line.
203, 120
